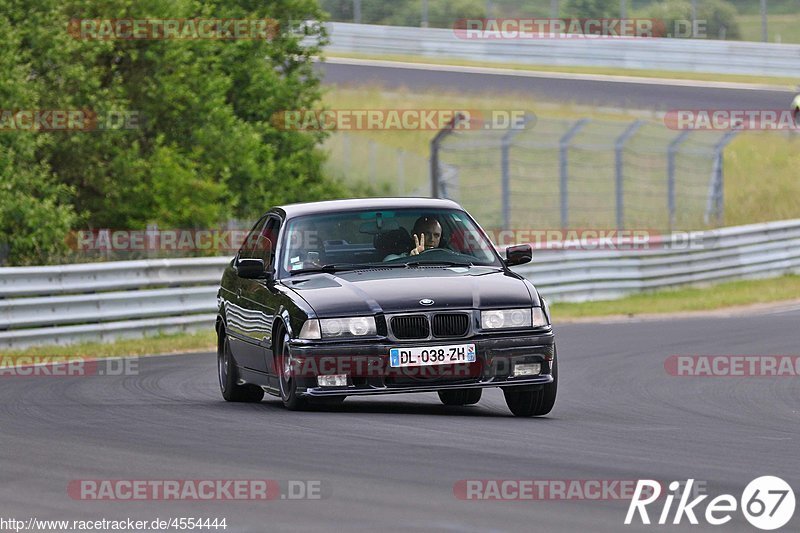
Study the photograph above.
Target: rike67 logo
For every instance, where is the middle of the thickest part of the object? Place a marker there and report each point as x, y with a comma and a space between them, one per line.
767, 503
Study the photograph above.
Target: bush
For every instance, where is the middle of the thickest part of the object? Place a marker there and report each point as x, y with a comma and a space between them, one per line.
592, 9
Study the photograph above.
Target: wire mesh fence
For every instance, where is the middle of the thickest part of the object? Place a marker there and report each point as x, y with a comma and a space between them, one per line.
586, 173
364, 162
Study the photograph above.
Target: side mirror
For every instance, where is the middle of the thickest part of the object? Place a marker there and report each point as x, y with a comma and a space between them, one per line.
251, 269
518, 255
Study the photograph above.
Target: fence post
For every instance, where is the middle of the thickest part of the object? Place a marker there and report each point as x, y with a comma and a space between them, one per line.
347, 148
671, 152
505, 175
619, 145
153, 241
372, 148
401, 172
435, 145
564, 170
714, 201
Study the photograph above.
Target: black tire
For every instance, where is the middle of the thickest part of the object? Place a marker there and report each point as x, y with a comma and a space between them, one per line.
460, 396
538, 402
229, 376
288, 384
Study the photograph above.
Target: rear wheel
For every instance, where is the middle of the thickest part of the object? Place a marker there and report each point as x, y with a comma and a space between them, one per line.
460, 396
522, 402
229, 376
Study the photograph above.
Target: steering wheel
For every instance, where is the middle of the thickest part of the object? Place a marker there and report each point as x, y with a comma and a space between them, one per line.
426, 250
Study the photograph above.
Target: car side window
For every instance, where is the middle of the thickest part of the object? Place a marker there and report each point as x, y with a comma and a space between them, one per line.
247, 251
265, 243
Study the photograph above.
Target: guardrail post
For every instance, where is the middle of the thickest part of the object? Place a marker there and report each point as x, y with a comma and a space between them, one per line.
671, 153
435, 145
564, 170
505, 174
619, 146
714, 200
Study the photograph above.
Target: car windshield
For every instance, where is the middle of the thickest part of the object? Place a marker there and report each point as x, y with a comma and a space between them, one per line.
390, 238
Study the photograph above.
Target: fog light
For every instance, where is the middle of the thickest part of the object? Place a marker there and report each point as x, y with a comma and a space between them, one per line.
334, 380
527, 369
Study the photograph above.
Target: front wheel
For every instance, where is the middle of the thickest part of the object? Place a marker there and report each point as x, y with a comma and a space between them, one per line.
286, 378
538, 402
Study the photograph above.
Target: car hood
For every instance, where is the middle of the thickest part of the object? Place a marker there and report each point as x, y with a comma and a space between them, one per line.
378, 290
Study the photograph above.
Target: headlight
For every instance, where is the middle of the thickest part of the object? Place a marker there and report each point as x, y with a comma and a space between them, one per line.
513, 318
359, 326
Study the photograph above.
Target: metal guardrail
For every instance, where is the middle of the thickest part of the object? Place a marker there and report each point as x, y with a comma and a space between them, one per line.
117, 275
687, 55
759, 250
103, 301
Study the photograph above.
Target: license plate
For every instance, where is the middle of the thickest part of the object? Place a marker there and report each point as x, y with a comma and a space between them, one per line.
432, 355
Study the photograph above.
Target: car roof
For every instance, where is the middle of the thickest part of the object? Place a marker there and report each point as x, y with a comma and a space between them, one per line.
332, 206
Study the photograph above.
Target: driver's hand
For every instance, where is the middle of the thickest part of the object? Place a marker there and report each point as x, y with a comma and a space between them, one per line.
419, 244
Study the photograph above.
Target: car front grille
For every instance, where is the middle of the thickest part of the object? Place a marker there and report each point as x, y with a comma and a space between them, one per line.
411, 327
419, 326
450, 324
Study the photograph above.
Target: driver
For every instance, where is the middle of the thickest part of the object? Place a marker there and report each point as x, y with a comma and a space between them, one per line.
427, 235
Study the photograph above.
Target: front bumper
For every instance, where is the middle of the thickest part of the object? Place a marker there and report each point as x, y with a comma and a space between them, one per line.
367, 365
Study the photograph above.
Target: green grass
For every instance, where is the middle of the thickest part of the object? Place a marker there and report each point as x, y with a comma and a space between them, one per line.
780, 28
762, 178
779, 82
721, 296
203, 341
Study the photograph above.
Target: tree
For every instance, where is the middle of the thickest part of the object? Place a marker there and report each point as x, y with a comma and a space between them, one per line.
204, 149
35, 210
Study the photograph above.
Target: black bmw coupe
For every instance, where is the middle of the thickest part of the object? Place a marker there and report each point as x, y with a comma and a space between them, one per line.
357, 297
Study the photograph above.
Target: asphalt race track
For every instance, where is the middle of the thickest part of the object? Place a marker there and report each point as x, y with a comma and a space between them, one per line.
390, 463
651, 97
